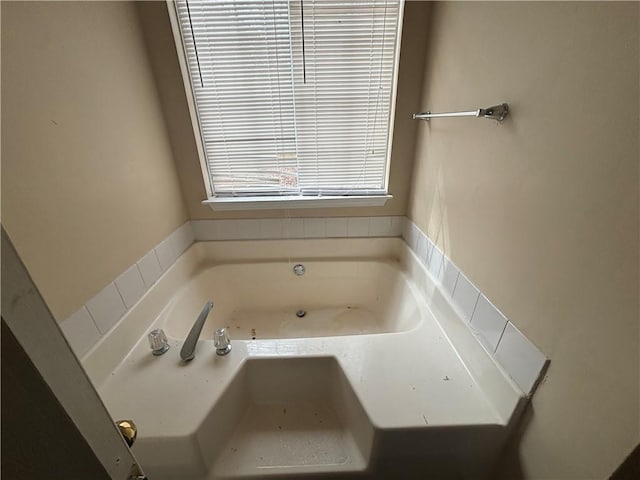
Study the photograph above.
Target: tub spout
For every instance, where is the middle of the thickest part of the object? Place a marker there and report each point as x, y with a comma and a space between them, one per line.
188, 351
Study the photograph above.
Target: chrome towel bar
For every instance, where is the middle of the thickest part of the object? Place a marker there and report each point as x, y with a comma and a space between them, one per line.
496, 112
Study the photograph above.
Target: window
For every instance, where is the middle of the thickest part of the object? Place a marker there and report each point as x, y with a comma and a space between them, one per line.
293, 99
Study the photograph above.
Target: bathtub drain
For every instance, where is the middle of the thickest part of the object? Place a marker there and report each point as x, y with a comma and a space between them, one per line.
300, 313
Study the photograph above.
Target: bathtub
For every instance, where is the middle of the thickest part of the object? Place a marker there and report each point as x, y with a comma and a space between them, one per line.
357, 368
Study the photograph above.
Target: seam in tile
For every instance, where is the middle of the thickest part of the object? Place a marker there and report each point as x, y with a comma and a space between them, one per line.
475, 305
141, 277
115, 284
159, 264
455, 285
501, 334
91, 317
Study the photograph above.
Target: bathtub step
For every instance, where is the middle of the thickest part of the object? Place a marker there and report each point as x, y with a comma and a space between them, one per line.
286, 416
288, 438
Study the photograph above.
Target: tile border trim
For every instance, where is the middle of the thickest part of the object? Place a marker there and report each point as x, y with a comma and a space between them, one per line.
109, 305
515, 353
296, 227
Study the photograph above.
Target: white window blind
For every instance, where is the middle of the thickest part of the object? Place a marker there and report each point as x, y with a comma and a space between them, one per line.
293, 97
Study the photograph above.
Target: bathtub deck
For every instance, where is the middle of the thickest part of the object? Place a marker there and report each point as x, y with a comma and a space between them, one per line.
405, 380
171, 400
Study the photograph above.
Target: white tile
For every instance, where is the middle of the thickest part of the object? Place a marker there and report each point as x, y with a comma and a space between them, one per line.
314, 227
428, 251
358, 226
167, 253
150, 268
520, 358
448, 276
430, 242
80, 331
183, 237
435, 262
489, 322
226, 229
415, 235
106, 308
380, 226
247, 229
131, 286
397, 224
412, 233
204, 230
421, 248
292, 228
406, 230
465, 297
169, 249
336, 227
270, 228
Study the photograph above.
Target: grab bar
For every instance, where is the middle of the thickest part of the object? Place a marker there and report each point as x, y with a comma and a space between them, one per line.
188, 351
496, 112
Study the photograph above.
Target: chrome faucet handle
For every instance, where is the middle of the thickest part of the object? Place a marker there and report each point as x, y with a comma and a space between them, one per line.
221, 341
158, 341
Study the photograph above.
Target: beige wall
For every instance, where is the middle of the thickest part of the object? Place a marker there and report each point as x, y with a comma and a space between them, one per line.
162, 52
542, 212
88, 184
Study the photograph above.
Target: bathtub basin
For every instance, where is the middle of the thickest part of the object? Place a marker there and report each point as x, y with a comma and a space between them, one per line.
268, 300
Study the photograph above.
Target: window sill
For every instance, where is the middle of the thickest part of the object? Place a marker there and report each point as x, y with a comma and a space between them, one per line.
275, 203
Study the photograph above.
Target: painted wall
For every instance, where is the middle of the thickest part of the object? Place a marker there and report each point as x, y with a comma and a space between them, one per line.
89, 183
162, 52
542, 212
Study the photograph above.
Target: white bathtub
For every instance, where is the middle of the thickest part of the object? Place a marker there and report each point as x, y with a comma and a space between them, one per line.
379, 379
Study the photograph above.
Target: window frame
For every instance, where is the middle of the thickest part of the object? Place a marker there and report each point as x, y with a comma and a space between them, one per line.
258, 202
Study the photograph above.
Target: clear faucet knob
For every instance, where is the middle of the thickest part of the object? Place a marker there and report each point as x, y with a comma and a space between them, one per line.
158, 341
221, 341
